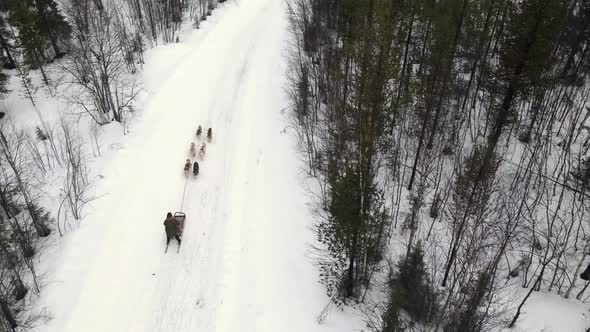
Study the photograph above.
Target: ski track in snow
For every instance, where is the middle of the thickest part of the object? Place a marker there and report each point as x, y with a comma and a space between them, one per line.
242, 264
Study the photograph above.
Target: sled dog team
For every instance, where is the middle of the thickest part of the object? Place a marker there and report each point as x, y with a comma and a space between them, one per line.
193, 152
172, 225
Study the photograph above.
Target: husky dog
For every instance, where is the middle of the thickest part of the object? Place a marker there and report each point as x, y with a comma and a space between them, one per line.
209, 134
187, 167
196, 169
202, 151
199, 131
193, 150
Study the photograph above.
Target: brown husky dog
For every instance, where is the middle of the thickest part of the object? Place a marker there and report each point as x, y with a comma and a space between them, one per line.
202, 151
193, 150
187, 168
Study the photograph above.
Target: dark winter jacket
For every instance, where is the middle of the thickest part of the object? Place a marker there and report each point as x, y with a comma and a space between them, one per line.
171, 226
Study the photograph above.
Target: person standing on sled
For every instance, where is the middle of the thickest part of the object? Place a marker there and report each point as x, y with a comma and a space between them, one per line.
172, 229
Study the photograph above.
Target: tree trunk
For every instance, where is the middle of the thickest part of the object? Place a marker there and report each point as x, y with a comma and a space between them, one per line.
42, 229
575, 277
5, 203
418, 151
7, 313
11, 64
404, 64
40, 65
448, 70
350, 282
519, 309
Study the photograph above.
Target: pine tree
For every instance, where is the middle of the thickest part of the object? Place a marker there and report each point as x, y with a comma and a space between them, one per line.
573, 44
468, 316
410, 293
3, 81
471, 194
526, 59
51, 23
40, 24
3, 90
5, 37
354, 237
30, 39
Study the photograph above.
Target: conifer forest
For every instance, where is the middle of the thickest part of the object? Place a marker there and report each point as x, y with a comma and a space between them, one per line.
448, 145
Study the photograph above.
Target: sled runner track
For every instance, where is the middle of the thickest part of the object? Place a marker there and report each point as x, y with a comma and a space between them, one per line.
223, 171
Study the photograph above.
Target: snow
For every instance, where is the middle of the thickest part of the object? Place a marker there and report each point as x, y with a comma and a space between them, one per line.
243, 263
551, 313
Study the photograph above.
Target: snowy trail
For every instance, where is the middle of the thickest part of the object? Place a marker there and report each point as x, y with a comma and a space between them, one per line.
242, 264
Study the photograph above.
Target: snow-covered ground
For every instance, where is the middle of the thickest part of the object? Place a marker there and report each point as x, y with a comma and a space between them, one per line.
242, 265
546, 312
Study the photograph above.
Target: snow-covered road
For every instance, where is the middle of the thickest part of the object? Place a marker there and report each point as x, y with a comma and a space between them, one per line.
242, 264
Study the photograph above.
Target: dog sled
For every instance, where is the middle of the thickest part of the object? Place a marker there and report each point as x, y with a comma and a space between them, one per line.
180, 217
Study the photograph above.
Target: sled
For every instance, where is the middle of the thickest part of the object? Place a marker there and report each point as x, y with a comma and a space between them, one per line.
180, 217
